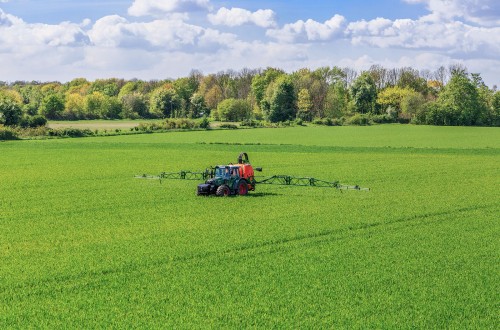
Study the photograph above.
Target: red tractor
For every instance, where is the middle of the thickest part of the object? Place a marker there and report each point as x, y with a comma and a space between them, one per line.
232, 179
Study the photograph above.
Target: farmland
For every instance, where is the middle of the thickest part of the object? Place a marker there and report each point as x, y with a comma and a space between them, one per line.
84, 244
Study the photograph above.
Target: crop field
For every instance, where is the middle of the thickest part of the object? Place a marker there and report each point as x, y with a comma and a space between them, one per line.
85, 245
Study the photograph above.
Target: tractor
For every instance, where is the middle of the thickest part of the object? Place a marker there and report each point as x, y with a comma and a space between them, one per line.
232, 179
239, 179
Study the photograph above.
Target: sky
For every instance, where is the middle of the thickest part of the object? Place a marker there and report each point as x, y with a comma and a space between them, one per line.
157, 39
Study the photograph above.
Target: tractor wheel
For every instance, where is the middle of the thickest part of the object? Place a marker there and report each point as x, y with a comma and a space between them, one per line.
242, 188
223, 191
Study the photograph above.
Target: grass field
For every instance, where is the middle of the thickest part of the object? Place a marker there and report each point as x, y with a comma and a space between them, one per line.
84, 244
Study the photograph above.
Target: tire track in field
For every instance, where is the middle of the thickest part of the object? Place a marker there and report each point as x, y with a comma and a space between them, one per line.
72, 282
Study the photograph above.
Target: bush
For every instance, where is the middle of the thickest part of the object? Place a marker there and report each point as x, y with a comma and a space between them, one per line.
383, 119
34, 121
7, 133
359, 119
327, 121
229, 126
71, 132
234, 110
205, 123
251, 123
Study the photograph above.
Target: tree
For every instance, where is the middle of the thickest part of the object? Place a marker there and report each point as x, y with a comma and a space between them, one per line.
304, 105
337, 100
197, 106
164, 102
494, 113
460, 101
184, 88
111, 108
74, 107
134, 106
234, 110
52, 106
412, 104
261, 82
109, 87
404, 101
283, 104
10, 111
364, 93
93, 105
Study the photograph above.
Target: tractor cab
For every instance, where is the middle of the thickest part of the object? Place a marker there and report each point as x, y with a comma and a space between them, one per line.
227, 172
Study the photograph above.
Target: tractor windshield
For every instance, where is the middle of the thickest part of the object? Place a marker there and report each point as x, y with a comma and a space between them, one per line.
223, 172
226, 171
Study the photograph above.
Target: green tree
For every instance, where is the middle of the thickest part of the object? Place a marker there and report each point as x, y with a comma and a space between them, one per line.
412, 104
405, 102
109, 87
304, 105
134, 106
234, 110
460, 101
164, 102
74, 107
494, 115
184, 89
261, 82
364, 94
337, 100
93, 105
198, 107
10, 111
111, 108
52, 106
283, 104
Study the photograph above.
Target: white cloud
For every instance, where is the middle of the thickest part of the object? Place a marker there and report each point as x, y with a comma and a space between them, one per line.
309, 30
481, 12
14, 32
452, 37
169, 34
237, 16
158, 7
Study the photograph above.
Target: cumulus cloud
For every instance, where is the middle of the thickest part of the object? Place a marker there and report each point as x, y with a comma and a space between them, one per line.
449, 36
309, 30
237, 16
481, 12
159, 7
171, 34
14, 32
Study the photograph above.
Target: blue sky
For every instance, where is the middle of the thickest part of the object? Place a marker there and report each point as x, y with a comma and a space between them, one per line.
153, 39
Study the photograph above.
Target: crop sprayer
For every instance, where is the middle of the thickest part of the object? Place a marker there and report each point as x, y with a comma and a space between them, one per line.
239, 179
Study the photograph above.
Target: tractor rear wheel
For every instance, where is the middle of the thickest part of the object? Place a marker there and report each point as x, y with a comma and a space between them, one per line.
223, 191
242, 188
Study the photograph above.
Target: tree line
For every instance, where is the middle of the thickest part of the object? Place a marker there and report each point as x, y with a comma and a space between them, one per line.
447, 96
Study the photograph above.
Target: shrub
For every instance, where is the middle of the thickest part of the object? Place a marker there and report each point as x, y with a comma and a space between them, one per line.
229, 126
70, 132
359, 119
251, 123
205, 123
383, 119
7, 133
327, 122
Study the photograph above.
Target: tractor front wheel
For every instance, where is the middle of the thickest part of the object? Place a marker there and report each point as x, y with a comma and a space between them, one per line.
223, 191
242, 188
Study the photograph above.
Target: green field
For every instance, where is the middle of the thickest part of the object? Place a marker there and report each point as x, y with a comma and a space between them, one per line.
84, 244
